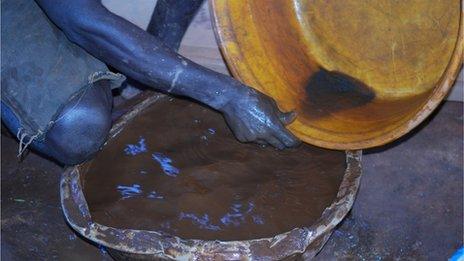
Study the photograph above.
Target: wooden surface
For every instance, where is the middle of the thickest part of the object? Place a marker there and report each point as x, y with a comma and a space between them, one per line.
396, 61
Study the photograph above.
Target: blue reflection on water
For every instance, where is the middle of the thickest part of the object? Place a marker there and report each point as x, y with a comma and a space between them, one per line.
166, 225
136, 191
165, 163
202, 221
134, 149
258, 219
154, 195
211, 131
237, 214
129, 191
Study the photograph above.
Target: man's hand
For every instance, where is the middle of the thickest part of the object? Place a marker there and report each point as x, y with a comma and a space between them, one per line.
255, 117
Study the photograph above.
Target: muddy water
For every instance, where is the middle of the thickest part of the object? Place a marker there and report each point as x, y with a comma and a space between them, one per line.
178, 169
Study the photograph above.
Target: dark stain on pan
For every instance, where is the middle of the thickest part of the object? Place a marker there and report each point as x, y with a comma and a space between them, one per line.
331, 91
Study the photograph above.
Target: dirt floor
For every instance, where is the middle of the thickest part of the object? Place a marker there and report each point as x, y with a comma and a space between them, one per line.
410, 203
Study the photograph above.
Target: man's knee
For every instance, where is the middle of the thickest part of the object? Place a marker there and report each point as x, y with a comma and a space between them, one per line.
78, 139
79, 135
81, 128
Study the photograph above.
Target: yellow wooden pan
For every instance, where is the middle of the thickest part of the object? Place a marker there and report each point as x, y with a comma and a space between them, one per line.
359, 73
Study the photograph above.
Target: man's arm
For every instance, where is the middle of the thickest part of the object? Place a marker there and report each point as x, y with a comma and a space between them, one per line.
141, 56
135, 52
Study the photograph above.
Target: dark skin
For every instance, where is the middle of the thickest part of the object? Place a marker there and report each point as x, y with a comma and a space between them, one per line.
140, 55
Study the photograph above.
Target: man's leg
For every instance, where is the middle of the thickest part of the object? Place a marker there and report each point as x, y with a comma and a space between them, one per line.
171, 19
80, 129
168, 23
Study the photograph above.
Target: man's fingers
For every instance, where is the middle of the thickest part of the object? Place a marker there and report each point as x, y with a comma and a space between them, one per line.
286, 137
275, 143
287, 117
